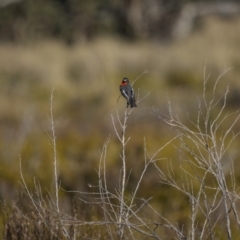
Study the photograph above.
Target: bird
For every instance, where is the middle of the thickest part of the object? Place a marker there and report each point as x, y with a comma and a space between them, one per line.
128, 92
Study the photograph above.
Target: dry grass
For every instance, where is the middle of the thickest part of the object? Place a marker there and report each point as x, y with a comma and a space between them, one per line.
86, 79
85, 69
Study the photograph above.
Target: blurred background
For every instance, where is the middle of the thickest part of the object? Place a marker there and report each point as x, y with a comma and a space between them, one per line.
83, 49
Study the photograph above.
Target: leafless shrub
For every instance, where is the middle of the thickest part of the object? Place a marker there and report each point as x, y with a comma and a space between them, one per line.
204, 144
201, 177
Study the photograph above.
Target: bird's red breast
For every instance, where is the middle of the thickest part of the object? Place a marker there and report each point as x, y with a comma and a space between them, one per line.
123, 84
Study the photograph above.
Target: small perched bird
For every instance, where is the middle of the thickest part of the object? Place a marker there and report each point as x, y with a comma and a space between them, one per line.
128, 92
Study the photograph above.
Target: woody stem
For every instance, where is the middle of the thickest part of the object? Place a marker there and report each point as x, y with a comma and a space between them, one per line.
122, 189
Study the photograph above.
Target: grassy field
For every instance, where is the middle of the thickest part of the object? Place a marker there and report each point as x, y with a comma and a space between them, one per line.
86, 79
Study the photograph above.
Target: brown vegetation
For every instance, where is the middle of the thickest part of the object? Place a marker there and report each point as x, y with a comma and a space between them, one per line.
82, 109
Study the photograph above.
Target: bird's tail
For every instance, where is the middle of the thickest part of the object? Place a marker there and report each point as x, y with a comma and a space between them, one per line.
132, 102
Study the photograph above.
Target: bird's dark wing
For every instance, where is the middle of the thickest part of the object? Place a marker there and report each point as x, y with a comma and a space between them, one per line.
124, 93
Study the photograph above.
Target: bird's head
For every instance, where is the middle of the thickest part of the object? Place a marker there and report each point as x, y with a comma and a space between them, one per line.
125, 80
